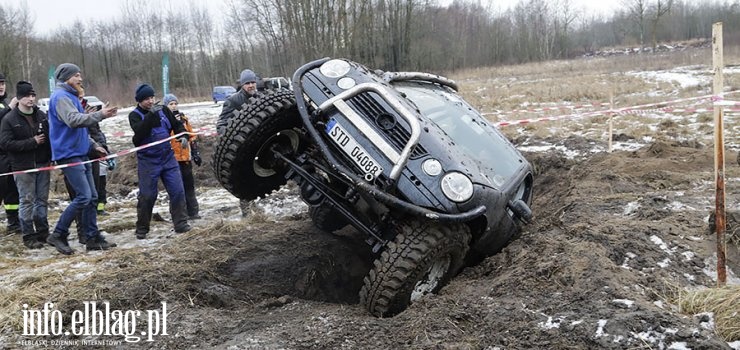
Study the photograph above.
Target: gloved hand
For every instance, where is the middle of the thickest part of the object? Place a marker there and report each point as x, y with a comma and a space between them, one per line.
184, 141
112, 163
197, 159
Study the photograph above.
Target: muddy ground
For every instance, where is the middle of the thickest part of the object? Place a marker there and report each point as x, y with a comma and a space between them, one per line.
615, 237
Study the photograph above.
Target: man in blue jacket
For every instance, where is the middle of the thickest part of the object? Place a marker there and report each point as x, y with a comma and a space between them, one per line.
150, 124
70, 144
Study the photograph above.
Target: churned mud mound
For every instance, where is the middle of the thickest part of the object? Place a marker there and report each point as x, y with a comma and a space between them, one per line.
615, 237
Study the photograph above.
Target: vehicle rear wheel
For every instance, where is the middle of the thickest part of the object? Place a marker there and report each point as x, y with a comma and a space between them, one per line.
243, 161
326, 217
420, 260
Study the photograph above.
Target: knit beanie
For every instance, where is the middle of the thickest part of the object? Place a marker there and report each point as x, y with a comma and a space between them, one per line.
169, 98
143, 91
66, 71
23, 89
2, 77
247, 76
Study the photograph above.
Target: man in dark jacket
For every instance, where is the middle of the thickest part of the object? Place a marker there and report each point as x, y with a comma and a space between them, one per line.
70, 144
8, 190
150, 124
234, 104
24, 134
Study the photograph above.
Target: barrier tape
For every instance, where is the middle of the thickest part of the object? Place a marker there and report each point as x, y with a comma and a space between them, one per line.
623, 110
112, 155
547, 109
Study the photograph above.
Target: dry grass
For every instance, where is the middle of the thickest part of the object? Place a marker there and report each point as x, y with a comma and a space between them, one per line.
724, 303
127, 278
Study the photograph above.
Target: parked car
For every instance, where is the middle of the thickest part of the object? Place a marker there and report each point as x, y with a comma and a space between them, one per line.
221, 93
274, 84
400, 156
95, 102
43, 104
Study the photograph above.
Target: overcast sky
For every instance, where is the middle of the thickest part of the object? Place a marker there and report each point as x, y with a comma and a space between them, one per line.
53, 14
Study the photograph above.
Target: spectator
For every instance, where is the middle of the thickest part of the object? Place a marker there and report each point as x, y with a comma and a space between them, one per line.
153, 123
234, 104
183, 157
98, 137
8, 190
24, 134
70, 143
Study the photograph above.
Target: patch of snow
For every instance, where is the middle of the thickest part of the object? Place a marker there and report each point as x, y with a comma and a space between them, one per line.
630, 208
679, 346
551, 323
665, 263
600, 329
688, 255
627, 302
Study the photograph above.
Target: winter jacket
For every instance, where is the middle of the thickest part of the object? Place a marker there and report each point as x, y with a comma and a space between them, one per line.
182, 154
68, 124
17, 137
151, 126
235, 102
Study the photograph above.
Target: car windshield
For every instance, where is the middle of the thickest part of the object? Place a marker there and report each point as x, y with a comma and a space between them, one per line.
466, 127
94, 99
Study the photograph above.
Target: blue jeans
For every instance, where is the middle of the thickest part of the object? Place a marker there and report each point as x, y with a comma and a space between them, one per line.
81, 180
33, 189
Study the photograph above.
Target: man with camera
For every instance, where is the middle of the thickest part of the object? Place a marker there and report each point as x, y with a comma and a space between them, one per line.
24, 134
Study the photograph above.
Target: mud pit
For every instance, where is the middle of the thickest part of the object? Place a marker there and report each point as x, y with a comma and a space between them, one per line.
615, 237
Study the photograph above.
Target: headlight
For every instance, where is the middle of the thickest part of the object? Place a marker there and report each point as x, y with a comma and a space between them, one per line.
457, 187
432, 167
334, 68
346, 83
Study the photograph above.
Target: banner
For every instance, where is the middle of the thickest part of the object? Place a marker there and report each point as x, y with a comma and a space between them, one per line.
50, 78
166, 73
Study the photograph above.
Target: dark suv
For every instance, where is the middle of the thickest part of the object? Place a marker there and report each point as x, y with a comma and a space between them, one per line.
399, 156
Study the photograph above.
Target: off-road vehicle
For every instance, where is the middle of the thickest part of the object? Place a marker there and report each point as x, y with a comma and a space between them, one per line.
399, 156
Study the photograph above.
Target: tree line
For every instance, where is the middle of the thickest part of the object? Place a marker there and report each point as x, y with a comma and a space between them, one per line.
274, 37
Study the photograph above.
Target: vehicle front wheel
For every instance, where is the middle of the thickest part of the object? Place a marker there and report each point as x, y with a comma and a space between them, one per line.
244, 162
421, 259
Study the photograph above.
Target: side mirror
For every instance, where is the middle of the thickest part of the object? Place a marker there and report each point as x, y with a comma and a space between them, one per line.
521, 210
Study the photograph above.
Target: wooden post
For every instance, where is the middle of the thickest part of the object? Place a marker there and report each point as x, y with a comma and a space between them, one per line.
719, 154
611, 115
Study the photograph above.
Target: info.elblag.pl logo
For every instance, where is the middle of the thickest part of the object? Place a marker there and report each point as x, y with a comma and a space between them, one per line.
96, 320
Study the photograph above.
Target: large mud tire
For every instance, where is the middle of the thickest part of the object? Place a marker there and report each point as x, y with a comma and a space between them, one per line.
326, 218
420, 260
242, 161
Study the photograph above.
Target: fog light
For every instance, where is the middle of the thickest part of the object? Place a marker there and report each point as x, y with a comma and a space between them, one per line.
432, 167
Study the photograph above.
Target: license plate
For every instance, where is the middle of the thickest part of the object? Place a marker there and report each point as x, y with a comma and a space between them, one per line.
348, 144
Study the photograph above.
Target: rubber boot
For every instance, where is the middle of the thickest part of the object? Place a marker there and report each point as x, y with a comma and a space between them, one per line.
14, 223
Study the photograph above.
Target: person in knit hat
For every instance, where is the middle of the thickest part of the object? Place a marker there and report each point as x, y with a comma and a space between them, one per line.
247, 89
185, 156
152, 123
24, 134
8, 189
70, 143
246, 93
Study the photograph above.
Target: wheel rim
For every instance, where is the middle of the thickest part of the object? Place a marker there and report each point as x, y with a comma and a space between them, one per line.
264, 161
432, 277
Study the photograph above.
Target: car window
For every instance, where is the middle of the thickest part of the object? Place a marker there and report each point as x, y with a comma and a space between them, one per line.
479, 139
224, 89
91, 99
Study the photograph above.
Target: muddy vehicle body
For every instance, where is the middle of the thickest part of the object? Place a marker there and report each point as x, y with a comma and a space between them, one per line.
401, 157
